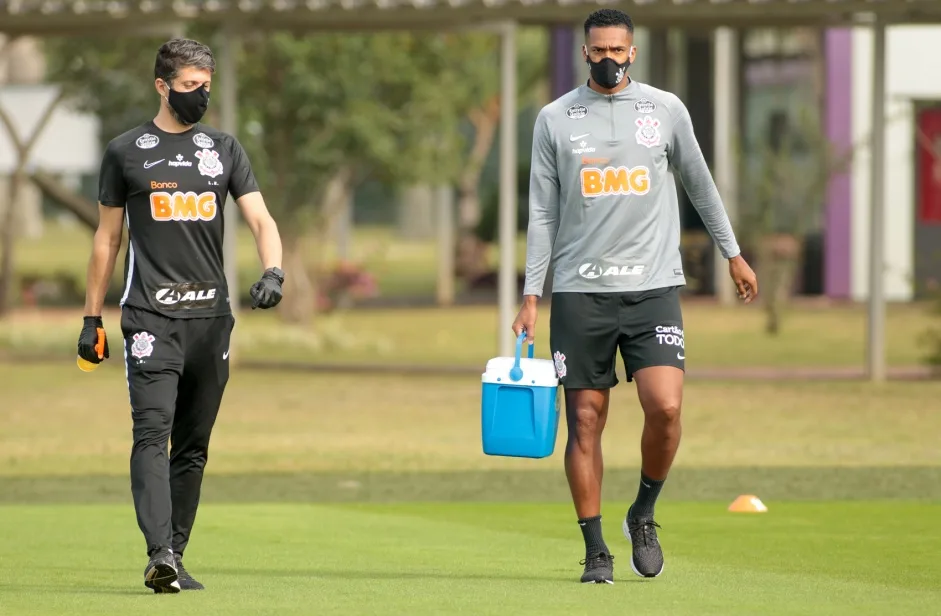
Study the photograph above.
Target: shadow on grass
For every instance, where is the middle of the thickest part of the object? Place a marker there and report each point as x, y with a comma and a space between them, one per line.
920, 483
69, 589
359, 574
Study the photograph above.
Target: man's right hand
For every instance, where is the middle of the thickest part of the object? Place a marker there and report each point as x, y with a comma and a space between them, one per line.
526, 319
93, 343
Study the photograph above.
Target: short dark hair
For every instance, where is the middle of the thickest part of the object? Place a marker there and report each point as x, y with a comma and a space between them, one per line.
177, 54
609, 18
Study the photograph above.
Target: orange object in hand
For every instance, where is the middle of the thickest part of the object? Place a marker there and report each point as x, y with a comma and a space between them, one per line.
86, 366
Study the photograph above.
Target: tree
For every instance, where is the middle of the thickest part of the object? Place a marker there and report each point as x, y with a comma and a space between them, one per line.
787, 176
111, 77
480, 71
339, 117
23, 146
319, 114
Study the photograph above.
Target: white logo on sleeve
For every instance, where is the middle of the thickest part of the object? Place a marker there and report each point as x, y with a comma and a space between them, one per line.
648, 131
142, 345
225, 355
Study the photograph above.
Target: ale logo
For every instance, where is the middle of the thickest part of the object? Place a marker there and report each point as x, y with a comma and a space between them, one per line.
183, 206
615, 181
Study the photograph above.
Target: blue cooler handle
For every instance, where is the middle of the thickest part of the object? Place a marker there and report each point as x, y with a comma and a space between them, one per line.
516, 373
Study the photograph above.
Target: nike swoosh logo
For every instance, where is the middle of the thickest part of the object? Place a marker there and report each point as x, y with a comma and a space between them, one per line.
148, 165
678, 356
225, 355
577, 137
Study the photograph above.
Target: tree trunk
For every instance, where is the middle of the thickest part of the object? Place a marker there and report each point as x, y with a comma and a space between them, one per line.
416, 212
471, 252
84, 209
8, 233
7, 238
304, 253
778, 262
298, 304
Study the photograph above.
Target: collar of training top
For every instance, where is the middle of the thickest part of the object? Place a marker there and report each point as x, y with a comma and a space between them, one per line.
627, 92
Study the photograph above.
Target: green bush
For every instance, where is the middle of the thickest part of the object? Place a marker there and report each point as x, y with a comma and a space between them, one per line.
488, 229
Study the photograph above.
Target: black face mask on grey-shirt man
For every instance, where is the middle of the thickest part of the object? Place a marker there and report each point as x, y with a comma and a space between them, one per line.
607, 73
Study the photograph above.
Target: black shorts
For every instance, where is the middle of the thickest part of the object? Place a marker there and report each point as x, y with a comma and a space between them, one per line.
586, 330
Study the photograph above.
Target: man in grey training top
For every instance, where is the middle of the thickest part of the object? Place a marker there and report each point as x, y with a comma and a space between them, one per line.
604, 213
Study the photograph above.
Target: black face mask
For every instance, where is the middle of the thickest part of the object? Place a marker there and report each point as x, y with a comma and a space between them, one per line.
608, 73
189, 107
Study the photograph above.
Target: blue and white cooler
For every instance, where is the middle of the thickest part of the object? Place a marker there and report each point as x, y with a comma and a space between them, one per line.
520, 405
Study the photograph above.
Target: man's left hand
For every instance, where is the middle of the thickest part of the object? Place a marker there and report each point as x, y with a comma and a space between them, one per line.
266, 293
746, 283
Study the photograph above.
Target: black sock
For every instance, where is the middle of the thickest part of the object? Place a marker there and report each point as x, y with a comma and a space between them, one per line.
646, 498
591, 530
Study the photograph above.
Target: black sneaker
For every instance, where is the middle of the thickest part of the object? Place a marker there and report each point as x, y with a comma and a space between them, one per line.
186, 580
646, 555
160, 574
599, 569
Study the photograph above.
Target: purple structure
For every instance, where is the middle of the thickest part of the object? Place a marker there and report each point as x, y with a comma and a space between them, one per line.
561, 44
838, 55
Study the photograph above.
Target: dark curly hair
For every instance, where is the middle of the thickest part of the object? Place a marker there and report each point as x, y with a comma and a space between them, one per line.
609, 18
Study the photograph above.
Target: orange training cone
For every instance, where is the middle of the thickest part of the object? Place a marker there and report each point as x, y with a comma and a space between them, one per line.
748, 503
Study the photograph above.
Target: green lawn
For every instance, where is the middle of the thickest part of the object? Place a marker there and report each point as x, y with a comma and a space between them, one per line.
354, 494
434, 558
403, 268
716, 337
467, 336
328, 423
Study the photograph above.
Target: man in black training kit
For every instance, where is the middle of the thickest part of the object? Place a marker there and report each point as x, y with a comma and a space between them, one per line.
168, 179
604, 212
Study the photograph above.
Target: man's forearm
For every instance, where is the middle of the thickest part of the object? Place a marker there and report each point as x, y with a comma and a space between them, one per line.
268, 243
100, 269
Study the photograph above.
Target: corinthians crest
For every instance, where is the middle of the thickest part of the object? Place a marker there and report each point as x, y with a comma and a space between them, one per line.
142, 345
648, 131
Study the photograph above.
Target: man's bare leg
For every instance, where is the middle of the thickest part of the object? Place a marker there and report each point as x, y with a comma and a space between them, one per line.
660, 390
586, 413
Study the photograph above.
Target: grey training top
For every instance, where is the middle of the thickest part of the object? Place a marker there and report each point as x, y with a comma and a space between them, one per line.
602, 199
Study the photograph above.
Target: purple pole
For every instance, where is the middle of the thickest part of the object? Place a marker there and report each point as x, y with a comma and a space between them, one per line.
839, 125
561, 45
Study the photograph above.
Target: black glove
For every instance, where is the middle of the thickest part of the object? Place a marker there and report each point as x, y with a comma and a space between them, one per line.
93, 343
266, 293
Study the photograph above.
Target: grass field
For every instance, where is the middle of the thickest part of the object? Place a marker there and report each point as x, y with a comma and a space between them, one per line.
364, 495
716, 337
402, 267
467, 336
